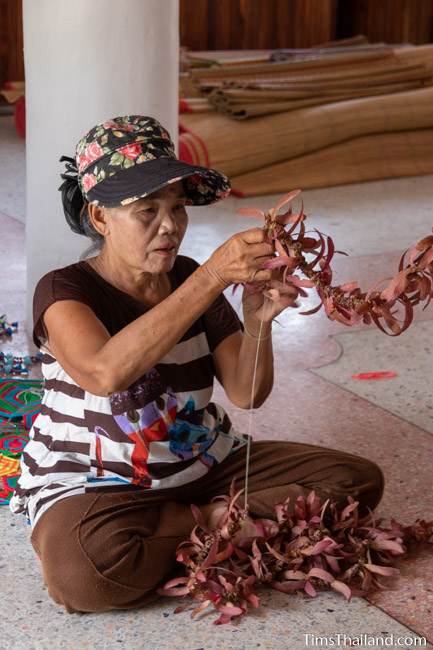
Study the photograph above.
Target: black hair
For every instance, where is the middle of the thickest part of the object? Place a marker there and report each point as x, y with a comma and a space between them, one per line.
75, 206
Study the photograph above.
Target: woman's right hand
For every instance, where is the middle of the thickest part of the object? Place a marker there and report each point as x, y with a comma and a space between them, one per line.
240, 259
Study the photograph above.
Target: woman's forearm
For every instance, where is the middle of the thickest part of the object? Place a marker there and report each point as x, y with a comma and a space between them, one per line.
140, 345
245, 367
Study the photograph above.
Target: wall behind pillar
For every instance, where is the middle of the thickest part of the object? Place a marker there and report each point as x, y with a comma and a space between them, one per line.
86, 61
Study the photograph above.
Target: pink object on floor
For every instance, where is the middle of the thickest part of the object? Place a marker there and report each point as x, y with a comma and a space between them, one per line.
368, 376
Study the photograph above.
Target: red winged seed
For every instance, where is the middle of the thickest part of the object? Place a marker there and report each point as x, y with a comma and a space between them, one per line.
253, 600
226, 584
337, 585
298, 282
382, 570
294, 575
275, 263
310, 266
204, 605
225, 554
286, 199
230, 610
300, 217
215, 587
175, 591
319, 547
174, 582
194, 537
350, 286
196, 512
211, 556
312, 311
396, 287
333, 563
297, 530
388, 545
330, 253
287, 587
424, 287
275, 553
309, 589
309, 243
426, 259
223, 620
286, 218
349, 509
320, 573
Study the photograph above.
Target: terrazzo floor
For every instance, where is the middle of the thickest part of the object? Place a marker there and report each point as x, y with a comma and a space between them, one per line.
314, 400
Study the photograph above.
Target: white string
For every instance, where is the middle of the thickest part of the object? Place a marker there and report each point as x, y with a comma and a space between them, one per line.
251, 412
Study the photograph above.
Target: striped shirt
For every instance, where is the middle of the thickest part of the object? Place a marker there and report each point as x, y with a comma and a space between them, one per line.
162, 432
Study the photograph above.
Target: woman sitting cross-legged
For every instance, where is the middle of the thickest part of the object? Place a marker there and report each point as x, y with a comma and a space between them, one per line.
132, 338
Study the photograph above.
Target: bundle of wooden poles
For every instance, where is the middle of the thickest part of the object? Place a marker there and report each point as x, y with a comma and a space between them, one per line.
311, 118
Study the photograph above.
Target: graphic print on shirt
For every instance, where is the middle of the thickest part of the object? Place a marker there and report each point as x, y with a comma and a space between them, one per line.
144, 413
188, 437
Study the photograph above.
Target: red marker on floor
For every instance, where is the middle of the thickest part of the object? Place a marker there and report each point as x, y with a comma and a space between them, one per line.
384, 374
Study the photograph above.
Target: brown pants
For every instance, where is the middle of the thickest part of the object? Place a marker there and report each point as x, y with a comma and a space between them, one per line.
98, 551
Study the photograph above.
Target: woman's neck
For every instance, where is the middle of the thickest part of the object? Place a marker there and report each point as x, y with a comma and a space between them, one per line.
149, 288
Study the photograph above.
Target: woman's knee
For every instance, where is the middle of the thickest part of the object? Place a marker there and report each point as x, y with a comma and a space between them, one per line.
71, 584
82, 589
75, 581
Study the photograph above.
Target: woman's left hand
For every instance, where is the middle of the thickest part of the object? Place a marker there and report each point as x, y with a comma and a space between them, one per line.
265, 301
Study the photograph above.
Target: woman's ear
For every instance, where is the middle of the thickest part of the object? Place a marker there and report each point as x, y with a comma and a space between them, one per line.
98, 218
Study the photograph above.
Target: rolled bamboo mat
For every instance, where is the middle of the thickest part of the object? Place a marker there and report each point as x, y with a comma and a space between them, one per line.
287, 66
239, 110
187, 86
242, 105
359, 39
308, 54
211, 77
303, 85
241, 57
401, 59
360, 74
226, 59
372, 157
416, 54
237, 147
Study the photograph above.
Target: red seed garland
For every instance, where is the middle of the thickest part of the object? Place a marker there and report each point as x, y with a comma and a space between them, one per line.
347, 304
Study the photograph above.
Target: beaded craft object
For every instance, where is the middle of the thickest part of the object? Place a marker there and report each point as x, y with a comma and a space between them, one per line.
11, 365
7, 329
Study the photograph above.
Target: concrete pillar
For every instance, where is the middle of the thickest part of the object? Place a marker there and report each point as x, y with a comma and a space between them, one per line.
86, 61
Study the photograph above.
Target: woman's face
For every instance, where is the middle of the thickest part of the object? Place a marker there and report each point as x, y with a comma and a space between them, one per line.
147, 233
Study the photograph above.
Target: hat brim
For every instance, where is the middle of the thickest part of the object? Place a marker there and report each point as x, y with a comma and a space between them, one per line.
202, 186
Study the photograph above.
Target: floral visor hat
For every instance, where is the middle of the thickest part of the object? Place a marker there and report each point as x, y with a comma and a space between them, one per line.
129, 157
